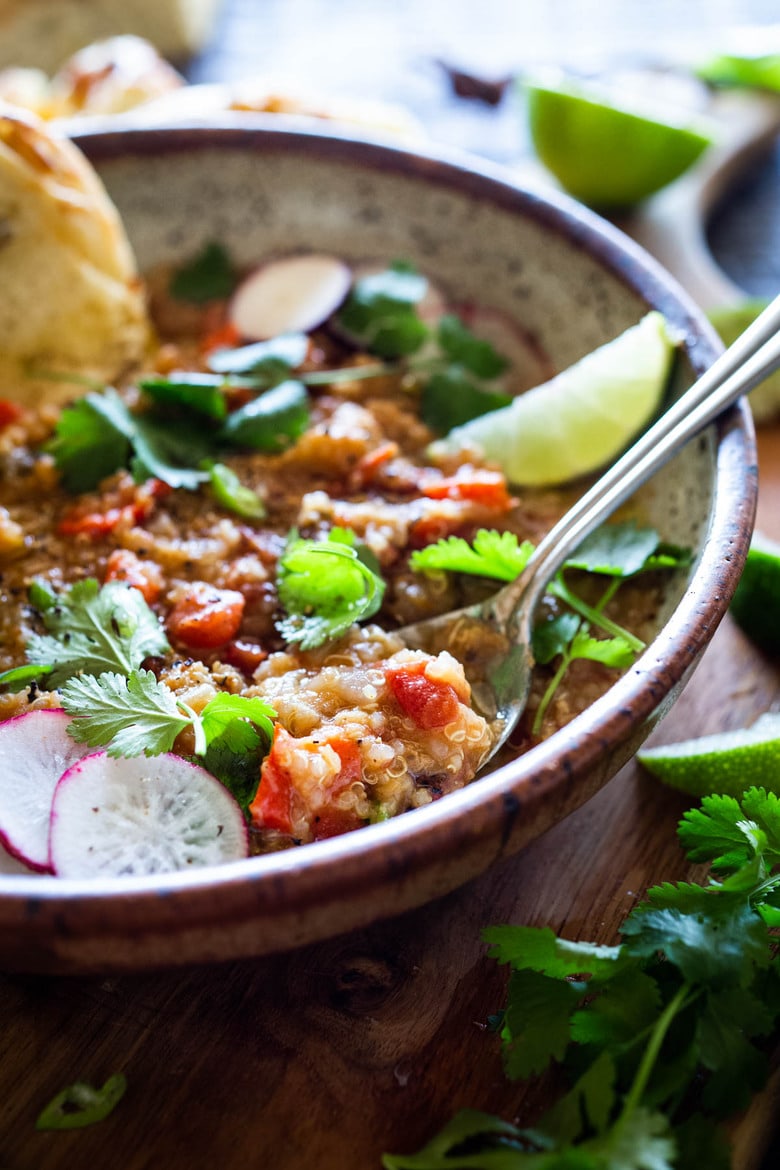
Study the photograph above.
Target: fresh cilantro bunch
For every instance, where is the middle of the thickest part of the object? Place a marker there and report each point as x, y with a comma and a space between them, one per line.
616, 551
685, 997
325, 586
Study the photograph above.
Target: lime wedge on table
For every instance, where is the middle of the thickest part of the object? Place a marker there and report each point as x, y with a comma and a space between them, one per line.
756, 604
727, 762
730, 322
583, 417
603, 153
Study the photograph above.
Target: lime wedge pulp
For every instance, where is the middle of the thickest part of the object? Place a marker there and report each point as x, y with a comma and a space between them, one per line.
728, 762
756, 604
582, 418
602, 153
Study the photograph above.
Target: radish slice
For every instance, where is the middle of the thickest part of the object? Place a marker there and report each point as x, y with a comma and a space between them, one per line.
129, 817
292, 295
35, 749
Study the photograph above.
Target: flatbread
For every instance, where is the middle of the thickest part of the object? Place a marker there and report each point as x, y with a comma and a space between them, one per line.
71, 299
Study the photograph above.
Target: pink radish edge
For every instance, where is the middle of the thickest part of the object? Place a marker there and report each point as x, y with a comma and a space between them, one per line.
36, 749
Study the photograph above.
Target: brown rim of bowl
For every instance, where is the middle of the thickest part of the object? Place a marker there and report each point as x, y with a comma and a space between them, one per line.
298, 880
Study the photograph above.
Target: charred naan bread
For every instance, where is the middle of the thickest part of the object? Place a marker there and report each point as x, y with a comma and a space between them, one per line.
71, 299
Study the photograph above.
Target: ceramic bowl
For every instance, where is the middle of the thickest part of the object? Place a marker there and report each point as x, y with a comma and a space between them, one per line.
573, 282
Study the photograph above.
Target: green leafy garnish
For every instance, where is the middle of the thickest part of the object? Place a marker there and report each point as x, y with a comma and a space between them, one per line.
91, 629
467, 350
567, 636
209, 276
137, 715
91, 441
130, 715
491, 554
232, 494
325, 586
380, 312
271, 422
81, 1104
681, 1000
202, 393
449, 399
267, 362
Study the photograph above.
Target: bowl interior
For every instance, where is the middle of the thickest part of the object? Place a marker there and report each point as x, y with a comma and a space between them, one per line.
573, 283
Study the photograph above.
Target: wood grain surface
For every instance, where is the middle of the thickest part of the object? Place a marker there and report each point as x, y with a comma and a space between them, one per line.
329, 1056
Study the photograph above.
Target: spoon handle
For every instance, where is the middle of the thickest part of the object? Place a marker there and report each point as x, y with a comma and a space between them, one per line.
745, 364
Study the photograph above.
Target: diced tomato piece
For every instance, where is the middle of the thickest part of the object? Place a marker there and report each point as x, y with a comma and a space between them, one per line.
206, 617
479, 485
366, 468
145, 576
279, 805
332, 821
428, 703
224, 336
272, 805
9, 412
98, 524
245, 656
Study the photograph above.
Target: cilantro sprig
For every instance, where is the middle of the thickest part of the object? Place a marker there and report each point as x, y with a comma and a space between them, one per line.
135, 714
90, 629
684, 998
325, 586
617, 551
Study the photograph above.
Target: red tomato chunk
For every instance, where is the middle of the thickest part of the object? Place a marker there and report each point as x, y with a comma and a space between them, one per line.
428, 703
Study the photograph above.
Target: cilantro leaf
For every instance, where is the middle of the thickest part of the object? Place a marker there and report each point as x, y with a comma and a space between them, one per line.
272, 421
616, 550
80, 1104
536, 1027
716, 832
540, 949
466, 349
231, 714
553, 636
492, 554
380, 311
268, 362
473, 1140
171, 453
614, 652
587, 1106
209, 276
701, 1143
624, 1007
129, 716
644, 1141
92, 629
202, 393
737, 1066
449, 399
325, 586
89, 443
711, 936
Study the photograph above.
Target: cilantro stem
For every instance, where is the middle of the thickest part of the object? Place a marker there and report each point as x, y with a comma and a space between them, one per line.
558, 588
348, 374
649, 1058
546, 698
197, 726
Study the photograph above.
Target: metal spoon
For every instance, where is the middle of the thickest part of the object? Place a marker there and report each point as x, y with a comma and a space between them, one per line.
493, 638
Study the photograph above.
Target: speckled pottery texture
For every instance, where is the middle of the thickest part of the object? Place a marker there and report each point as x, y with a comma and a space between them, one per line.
573, 282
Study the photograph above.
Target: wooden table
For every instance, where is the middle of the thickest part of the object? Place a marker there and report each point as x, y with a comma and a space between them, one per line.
328, 1056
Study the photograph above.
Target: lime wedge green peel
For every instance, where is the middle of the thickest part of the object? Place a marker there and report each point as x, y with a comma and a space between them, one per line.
730, 323
759, 72
756, 604
583, 418
725, 763
602, 153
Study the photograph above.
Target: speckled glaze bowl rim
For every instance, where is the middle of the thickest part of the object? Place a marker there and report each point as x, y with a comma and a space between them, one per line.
299, 880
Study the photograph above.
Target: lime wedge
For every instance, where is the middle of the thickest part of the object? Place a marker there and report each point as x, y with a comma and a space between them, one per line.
583, 417
730, 322
756, 604
728, 762
754, 72
603, 153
